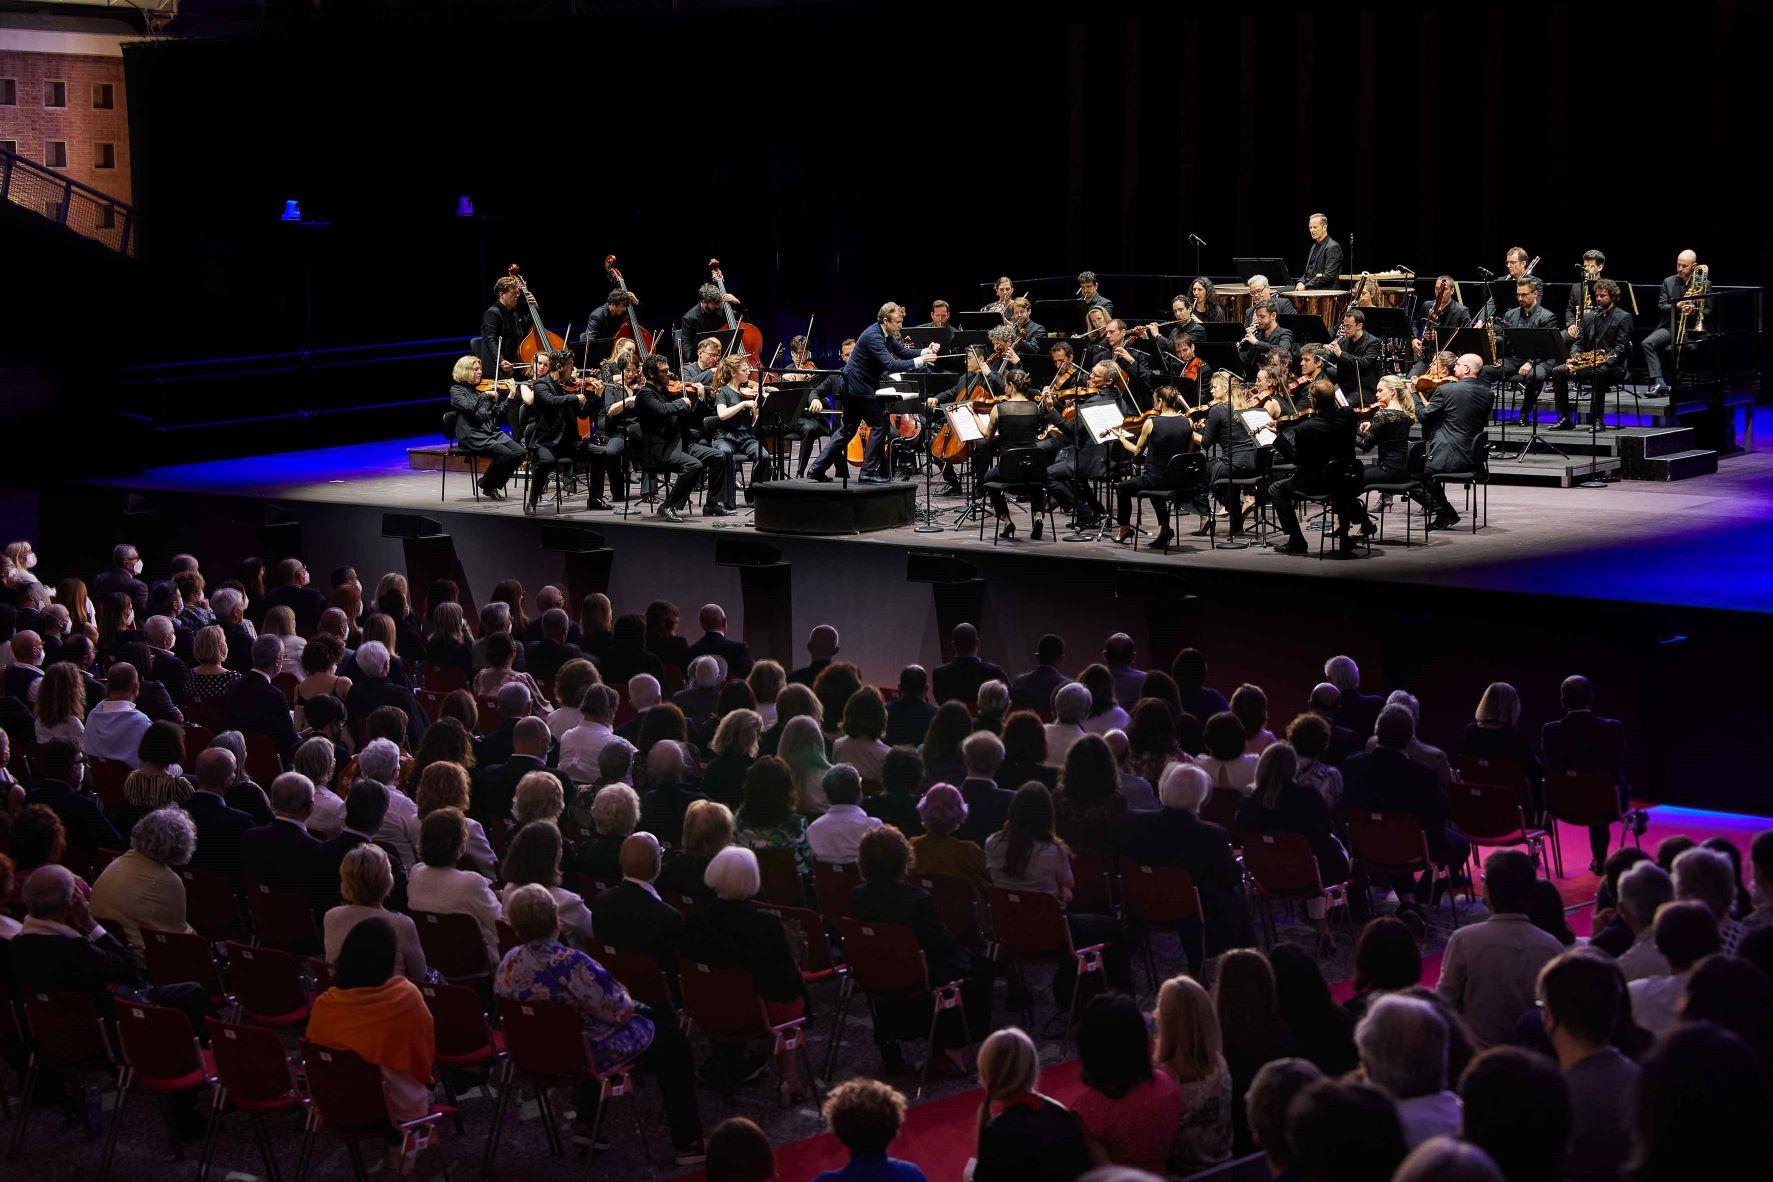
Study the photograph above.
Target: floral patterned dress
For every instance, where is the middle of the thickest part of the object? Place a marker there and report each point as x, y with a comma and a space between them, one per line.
546, 970
789, 835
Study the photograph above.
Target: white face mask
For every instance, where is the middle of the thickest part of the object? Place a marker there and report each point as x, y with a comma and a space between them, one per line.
30, 560
135, 568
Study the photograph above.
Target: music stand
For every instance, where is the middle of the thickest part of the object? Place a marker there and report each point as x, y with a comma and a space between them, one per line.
1470, 340
1388, 324
1274, 269
1221, 331
1306, 330
963, 420
777, 415
922, 335
980, 321
1535, 345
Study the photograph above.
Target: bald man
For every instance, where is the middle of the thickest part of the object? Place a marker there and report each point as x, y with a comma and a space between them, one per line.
821, 647
1453, 419
630, 915
1673, 306
734, 655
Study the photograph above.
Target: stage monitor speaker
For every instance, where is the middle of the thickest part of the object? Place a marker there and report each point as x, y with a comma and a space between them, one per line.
1169, 609
571, 539
743, 551
586, 558
924, 566
409, 525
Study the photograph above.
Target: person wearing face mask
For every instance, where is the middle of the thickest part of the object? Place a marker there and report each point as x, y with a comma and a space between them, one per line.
291, 590
24, 559
126, 566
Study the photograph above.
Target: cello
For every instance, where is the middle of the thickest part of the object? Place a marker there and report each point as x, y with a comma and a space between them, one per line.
538, 339
632, 329
746, 336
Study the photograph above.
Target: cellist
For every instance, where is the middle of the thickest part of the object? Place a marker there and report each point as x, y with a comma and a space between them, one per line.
611, 316
707, 317
979, 381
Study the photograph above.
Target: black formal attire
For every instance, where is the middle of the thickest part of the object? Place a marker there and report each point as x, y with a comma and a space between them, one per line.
1583, 741
1313, 446
1453, 419
1176, 837
119, 580
495, 788
1508, 368
1226, 438
1171, 435
81, 815
239, 640
1505, 742
1385, 780
987, 385
809, 672
959, 680
1323, 264
372, 692
730, 932
1018, 422
551, 433
170, 672
1301, 809
875, 356
603, 324
662, 809
1096, 301
609, 439
724, 777
898, 1017
332, 856
254, 706
477, 431
987, 806
1255, 356
1081, 460
1453, 317
1040, 1141
662, 448
1609, 332
623, 661
734, 654
246, 797
1359, 712
700, 322
305, 603
219, 830
1357, 370
1282, 307
1034, 689
500, 334
545, 657
733, 438
445, 651
601, 858
1667, 299
908, 719
1389, 437
16, 679
286, 857
632, 918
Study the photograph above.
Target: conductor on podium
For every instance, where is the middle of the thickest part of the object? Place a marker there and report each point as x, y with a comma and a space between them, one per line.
878, 352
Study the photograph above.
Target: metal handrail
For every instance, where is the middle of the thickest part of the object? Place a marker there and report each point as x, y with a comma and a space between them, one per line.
47, 183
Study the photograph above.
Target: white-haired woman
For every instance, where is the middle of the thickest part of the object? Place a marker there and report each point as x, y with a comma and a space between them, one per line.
142, 888
614, 814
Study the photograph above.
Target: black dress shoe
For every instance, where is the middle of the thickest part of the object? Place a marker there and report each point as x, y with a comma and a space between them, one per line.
1524, 419
597, 504
1564, 424
819, 477
949, 490
876, 480
1203, 529
717, 511
1034, 532
1290, 549
1444, 521
1660, 390
670, 514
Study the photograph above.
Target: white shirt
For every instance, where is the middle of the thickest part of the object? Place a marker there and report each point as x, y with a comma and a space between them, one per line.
1060, 737
1642, 959
449, 891
69, 728
399, 823
867, 756
114, 730
479, 855
1434, 1115
1111, 719
564, 719
581, 746
837, 836
575, 917
1239, 773
328, 817
292, 654
1656, 1001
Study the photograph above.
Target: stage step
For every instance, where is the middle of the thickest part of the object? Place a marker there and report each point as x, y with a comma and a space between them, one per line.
1624, 442
432, 457
1543, 469
1681, 465
1650, 410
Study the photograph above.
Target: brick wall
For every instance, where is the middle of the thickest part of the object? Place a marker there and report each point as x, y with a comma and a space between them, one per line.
79, 125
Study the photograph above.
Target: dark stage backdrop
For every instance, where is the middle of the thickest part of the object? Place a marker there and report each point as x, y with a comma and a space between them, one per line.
838, 156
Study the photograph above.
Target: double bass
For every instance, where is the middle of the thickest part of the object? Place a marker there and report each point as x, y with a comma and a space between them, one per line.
632, 330
538, 339
747, 337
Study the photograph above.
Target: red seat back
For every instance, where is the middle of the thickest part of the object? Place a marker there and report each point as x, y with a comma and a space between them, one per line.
197, 740
1487, 812
1496, 769
806, 935
1093, 888
958, 901
180, 956
159, 1044
834, 883
281, 919
1387, 843
458, 1019
321, 973
1582, 796
723, 1002
262, 763
544, 1039
639, 972
251, 1063
65, 1029
1029, 924
287, 682
1282, 865
346, 1088
439, 679
883, 957
453, 944
107, 778
1160, 895
780, 875
1221, 809
267, 984
210, 903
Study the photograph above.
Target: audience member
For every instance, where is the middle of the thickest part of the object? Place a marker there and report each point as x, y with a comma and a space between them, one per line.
1685, 934
1489, 968
1357, 711
1279, 803
1189, 1051
1250, 1027
1517, 1109
959, 680
943, 810
1702, 1109
1344, 1132
1403, 1049
707, 830
822, 645
1130, 1111
837, 834
1267, 1102
1320, 1030
1706, 876
865, 1115
366, 880
767, 819
438, 886
1071, 705
1643, 890
1176, 836
1024, 1136
630, 915
1581, 1001
1386, 780
1034, 689
142, 887
988, 803
115, 726
1584, 741
1432, 758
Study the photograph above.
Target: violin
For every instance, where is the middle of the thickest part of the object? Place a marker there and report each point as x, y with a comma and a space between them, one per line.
505, 386
1428, 383
632, 330
747, 336
538, 339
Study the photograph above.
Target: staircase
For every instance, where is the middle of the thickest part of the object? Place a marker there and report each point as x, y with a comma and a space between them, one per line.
67, 202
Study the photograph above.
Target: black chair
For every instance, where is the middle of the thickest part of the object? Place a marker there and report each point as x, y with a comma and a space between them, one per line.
1182, 476
1407, 488
450, 452
1476, 481
1022, 472
1257, 483
1342, 480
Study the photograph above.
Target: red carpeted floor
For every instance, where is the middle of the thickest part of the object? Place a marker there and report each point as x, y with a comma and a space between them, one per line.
939, 1136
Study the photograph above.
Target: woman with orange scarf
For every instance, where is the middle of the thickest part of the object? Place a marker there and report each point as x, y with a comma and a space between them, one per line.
379, 1016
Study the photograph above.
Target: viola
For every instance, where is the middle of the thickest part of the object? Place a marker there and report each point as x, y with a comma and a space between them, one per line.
632, 330
538, 339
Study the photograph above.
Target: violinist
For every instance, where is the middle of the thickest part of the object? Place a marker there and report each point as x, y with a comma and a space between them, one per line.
1528, 313
1313, 364
1262, 334
1356, 353
1081, 460
979, 381
878, 352
1161, 437
1388, 432
707, 317
500, 332
1313, 445
1189, 373
1271, 391
735, 406
1116, 345
661, 410
1203, 301
697, 374
477, 426
623, 357
1445, 316
612, 422
1226, 437
1260, 291
1090, 298
1013, 423
1029, 331
1005, 291
552, 433
612, 315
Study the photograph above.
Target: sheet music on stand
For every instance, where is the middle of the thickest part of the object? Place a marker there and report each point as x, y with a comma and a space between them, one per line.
965, 421
1260, 426
1103, 420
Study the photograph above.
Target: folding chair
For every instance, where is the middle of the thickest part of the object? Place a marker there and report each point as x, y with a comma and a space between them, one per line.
1580, 796
834, 883
175, 957
345, 1099
724, 1002
1282, 869
886, 961
263, 764
281, 919
640, 973
1030, 928
267, 986
961, 906
107, 779
1491, 815
1161, 897
465, 1042
160, 1052
1391, 844
453, 945
254, 1075
66, 1036
780, 874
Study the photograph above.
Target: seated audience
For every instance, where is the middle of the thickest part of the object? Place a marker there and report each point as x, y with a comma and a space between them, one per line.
1584, 741
1386, 960
1643, 890
1344, 1132
1279, 803
1250, 1029
1517, 1110
835, 836
1403, 1049
735, 747
1226, 761
668, 797
767, 680
939, 851
61, 769
1685, 934
1489, 969
802, 748
142, 888
1493, 734
1024, 1135
1320, 1030
614, 815
1386, 780
1581, 1000
1176, 836
630, 915
437, 886
865, 1115
115, 727
909, 715
988, 803
1271, 1094
379, 1015
533, 856
1131, 1111
445, 785
366, 880
1071, 707
1706, 876
1034, 689
707, 830
901, 781
1702, 1109
1105, 714
1188, 1051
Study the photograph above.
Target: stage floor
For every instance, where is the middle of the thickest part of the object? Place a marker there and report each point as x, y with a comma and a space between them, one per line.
1706, 542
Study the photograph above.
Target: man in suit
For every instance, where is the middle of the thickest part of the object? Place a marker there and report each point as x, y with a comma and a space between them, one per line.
821, 648
1323, 263
160, 635
1326, 700
1034, 689
496, 746
553, 650
254, 706
548, 598
153, 696
219, 827
1453, 419
734, 654
959, 680
1356, 354
630, 915
62, 947
1606, 328
987, 804
1672, 307
292, 591
284, 855
1529, 313
20, 678
126, 565
1129, 680
87, 826
1175, 835
376, 690
1263, 335
1584, 741
908, 715
1313, 446
496, 786
878, 352
643, 695
366, 804
1354, 710
662, 808
1387, 780
662, 417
